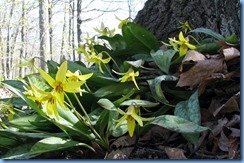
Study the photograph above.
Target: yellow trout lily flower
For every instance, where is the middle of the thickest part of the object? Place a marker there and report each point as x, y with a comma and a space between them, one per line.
105, 31
49, 101
185, 26
129, 76
60, 84
98, 59
131, 116
183, 43
77, 76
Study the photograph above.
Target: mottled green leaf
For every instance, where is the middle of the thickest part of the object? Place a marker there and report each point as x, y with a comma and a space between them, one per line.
190, 110
54, 144
163, 59
142, 103
156, 89
177, 124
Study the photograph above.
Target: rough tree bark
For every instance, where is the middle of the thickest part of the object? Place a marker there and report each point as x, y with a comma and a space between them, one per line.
162, 17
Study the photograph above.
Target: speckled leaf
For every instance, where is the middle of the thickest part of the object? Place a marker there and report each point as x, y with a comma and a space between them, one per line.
55, 143
142, 103
177, 124
155, 86
190, 110
163, 59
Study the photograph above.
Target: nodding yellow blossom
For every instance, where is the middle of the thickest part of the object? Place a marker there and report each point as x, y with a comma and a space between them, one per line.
98, 59
60, 84
129, 76
131, 116
185, 26
104, 30
77, 76
183, 43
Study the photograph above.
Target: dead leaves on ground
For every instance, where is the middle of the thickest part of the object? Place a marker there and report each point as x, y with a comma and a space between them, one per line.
198, 70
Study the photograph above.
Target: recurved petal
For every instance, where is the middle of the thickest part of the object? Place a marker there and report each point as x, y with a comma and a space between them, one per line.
73, 87
61, 74
47, 77
137, 118
131, 124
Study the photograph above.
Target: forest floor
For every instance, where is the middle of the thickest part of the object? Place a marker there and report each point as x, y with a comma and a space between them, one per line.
221, 142
220, 111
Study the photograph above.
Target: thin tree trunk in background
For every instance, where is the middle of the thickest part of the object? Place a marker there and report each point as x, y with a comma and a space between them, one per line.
63, 34
23, 41
8, 45
13, 60
70, 27
42, 33
79, 22
50, 28
73, 30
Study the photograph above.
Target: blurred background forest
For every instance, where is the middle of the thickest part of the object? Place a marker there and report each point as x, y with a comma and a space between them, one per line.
52, 29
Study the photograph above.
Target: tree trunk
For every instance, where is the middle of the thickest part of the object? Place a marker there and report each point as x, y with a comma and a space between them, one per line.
163, 17
79, 22
44, 31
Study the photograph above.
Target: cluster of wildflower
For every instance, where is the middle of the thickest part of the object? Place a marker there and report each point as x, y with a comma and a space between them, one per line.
65, 81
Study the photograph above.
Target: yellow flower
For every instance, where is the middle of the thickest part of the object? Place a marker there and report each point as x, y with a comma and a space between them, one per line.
183, 43
60, 84
129, 76
49, 101
76, 76
122, 22
185, 26
104, 30
98, 59
131, 116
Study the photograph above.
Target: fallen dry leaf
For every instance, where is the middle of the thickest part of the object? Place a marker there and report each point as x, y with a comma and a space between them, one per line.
233, 104
203, 72
231, 53
175, 153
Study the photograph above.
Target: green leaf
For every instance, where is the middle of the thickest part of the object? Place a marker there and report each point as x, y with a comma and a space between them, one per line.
117, 42
13, 132
38, 81
208, 32
142, 103
156, 89
112, 90
8, 141
19, 152
102, 122
25, 121
52, 66
11, 85
232, 39
210, 48
190, 110
163, 59
106, 104
177, 124
139, 38
54, 144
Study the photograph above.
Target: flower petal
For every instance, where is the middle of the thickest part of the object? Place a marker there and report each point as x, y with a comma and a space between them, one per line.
47, 77
137, 118
131, 124
61, 74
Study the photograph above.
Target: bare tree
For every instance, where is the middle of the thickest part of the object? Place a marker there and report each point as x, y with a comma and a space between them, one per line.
43, 30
